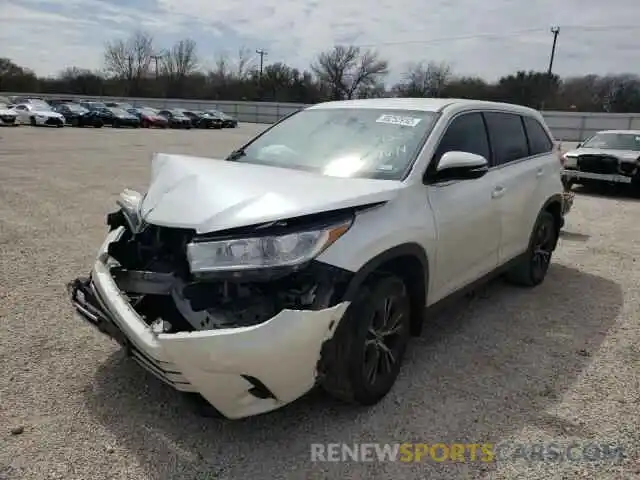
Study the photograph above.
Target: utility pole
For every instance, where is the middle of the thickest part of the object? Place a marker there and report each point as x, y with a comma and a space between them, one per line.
555, 31
262, 54
155, 58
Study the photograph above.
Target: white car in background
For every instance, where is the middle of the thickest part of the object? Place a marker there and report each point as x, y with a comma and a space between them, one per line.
38, 114
8, 116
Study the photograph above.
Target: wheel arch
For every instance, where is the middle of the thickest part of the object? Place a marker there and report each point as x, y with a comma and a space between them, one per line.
409, 261
553, 205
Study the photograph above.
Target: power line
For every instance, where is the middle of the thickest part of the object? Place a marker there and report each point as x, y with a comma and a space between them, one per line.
500, 35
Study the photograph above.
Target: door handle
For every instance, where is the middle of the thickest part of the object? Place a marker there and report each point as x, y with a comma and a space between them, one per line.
498, 192
539, 172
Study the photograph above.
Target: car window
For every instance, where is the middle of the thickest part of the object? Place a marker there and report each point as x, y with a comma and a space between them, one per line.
539, 141
507, 135
466, 133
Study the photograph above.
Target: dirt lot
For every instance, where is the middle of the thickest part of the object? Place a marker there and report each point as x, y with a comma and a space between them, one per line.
555, 364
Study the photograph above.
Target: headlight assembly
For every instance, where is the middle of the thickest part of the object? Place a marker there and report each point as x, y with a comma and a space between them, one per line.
258, 253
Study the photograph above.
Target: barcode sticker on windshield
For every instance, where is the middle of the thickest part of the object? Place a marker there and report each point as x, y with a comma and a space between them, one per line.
398, 120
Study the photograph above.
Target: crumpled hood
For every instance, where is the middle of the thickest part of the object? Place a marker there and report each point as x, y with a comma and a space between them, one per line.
624, 155
210, 195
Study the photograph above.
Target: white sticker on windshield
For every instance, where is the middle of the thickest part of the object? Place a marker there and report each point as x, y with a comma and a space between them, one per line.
398, 120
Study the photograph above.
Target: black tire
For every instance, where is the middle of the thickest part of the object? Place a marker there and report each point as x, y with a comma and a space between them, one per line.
33, 122
532, 268
356, 347
115, 124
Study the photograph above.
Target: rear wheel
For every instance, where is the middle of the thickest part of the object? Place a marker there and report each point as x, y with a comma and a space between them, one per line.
533, 266
362, 361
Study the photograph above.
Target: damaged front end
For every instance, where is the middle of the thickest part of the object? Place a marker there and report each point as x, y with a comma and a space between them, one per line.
239, 317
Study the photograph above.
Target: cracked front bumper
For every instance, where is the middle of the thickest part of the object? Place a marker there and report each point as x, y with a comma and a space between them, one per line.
241, 371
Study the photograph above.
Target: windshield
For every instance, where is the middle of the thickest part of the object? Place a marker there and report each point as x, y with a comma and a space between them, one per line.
178, 113
75, 108
343, 142
96, 105
120, 111
614, 141
148, 111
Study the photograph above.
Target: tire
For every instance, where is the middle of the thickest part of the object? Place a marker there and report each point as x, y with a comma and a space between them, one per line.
33, 122
532, 268
115, 124
348, 358
146, 124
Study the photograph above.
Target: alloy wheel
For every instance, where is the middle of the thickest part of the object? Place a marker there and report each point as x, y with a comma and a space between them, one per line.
383, 343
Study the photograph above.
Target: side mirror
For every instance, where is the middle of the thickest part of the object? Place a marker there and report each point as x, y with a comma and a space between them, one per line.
460, 166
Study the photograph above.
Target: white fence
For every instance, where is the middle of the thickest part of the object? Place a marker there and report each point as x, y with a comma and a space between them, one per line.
566, 126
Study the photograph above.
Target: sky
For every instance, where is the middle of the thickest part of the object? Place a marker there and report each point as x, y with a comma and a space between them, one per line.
488, 39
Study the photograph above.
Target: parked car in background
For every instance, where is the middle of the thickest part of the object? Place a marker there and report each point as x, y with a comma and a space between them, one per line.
307, 257
203, 119
8, 116
227, 120
30, 100
93, 105
79, 116
176, 118
609, 156
122, 105
121, 118
38, 114
59, 101
149, 117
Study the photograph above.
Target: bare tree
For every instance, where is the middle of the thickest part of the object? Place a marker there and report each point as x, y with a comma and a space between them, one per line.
422, 79
244, 63
345, 70
129, 59
178, 63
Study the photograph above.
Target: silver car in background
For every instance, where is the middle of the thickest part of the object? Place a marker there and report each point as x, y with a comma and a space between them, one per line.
611, 156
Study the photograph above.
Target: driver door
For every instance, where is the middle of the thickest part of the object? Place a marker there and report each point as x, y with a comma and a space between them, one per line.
466, 212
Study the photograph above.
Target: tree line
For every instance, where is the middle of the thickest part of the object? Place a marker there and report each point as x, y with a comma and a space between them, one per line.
135, 67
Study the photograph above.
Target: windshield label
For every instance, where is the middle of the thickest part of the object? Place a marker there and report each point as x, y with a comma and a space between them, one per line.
398, 120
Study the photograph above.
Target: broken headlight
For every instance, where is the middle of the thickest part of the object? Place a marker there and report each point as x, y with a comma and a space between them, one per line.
130, 201
241, 254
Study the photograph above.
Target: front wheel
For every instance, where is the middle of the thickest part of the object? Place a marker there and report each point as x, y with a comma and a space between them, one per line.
361, 362
33, 121
532, 268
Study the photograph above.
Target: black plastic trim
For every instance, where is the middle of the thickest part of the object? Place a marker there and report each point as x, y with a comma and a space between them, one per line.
411, 249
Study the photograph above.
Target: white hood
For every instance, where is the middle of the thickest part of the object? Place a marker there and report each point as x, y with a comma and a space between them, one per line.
624, 155
209, 195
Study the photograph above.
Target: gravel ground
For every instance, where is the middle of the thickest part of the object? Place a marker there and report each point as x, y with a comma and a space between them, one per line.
557, 363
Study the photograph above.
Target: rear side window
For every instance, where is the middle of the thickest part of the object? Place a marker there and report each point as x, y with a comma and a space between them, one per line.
508, 137
466, 133
539, 141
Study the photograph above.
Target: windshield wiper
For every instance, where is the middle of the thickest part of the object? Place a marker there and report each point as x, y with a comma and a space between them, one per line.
236, 154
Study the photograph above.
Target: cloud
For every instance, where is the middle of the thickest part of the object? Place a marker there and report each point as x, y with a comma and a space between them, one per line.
483, 38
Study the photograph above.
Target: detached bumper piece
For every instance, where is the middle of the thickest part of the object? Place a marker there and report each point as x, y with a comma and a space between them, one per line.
87, 303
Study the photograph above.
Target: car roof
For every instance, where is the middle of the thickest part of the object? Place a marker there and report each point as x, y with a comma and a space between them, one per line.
630, 132
423, 104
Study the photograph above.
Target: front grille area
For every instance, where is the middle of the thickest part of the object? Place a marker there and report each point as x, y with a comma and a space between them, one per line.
54, 121
598, 164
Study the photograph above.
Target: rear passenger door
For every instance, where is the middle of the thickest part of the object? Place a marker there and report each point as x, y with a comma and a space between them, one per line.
518, 174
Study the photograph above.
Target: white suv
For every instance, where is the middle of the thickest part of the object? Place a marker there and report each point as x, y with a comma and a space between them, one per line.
309, 255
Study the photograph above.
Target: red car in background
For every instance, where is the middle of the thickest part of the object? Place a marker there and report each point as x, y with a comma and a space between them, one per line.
149, 117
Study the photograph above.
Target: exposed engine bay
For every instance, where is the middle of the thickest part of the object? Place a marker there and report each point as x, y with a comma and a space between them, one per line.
153, 272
